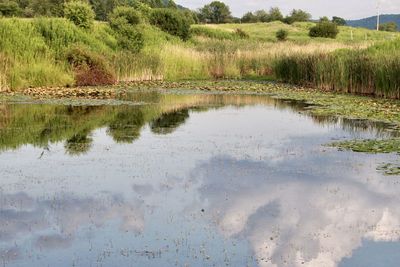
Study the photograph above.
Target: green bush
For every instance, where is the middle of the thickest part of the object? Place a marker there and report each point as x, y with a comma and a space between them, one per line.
80, 13
324, 29
124, 15
282, 35
9, 9
130, 38
172, 22
124, 21
388, 27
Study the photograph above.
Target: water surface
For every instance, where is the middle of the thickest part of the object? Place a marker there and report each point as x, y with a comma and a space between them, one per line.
192, 180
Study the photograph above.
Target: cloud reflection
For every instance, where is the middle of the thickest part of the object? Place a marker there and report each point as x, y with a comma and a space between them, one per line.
294, 217
22, 215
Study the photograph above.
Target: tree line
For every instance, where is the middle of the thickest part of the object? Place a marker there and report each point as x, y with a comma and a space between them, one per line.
215, 12
55, 8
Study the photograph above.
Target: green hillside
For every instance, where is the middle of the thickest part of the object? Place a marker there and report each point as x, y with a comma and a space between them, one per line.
35, 51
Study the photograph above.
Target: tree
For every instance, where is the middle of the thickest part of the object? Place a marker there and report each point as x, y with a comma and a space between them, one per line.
298, 15
48, 8
249, 17
124, 15
261, 16
156, 3
103, 7
275, 14
124, 21
80, 13
325, 29
215, 12
388, 27
171, 21
170, 4
324, 19
339, 21
9, 9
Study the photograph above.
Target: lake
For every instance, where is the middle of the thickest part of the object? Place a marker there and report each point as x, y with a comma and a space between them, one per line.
192, 179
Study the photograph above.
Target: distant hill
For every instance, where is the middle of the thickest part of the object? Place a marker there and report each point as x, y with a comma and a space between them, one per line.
370, 23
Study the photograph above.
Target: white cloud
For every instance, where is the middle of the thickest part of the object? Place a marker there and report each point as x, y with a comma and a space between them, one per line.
294, 217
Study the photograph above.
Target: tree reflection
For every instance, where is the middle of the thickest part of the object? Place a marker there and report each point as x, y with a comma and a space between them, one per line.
168, 123
78, 144
126, 125
40, 125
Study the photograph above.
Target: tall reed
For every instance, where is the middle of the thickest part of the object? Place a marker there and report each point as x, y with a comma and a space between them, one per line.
369, 71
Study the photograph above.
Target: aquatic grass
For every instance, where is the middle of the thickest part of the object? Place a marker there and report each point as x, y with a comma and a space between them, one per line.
360, 71
374, 146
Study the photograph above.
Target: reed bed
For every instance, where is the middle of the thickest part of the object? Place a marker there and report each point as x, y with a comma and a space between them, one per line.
372, 71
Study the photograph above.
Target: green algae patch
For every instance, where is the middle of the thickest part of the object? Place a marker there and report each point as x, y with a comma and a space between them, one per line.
389, 169
370, 145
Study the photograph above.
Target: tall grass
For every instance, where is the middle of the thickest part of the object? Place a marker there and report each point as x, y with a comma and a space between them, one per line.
35, 49
33, 54
3, 72
373, 71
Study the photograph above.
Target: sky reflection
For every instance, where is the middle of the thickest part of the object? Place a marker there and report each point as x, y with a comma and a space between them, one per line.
234, 181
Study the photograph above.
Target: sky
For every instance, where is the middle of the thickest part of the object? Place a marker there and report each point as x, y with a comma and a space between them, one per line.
348, 9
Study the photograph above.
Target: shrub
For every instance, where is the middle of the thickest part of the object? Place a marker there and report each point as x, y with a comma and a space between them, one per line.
282, 35
324, 29
388, 27
80, 13
90, 68
124, 21
9, 9
124, 15
130, 38
242, 34
172, 22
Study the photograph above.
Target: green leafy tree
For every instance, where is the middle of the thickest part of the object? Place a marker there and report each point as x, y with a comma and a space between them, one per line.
124, 15
324, 29
48, 8
155, 3
261, 16
324, 19
339, 21
124, 21
103, 8
170, 4
275, 14
216, 12
249, 17
9, 9
80, 13
298, 15
388, 27
171, 21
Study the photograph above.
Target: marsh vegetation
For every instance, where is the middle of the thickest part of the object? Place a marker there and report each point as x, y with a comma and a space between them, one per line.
153, 42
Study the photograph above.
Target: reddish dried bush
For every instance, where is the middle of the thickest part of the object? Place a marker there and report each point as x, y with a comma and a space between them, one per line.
90, 68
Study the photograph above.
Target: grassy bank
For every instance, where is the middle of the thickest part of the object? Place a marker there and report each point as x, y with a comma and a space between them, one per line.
34, 52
